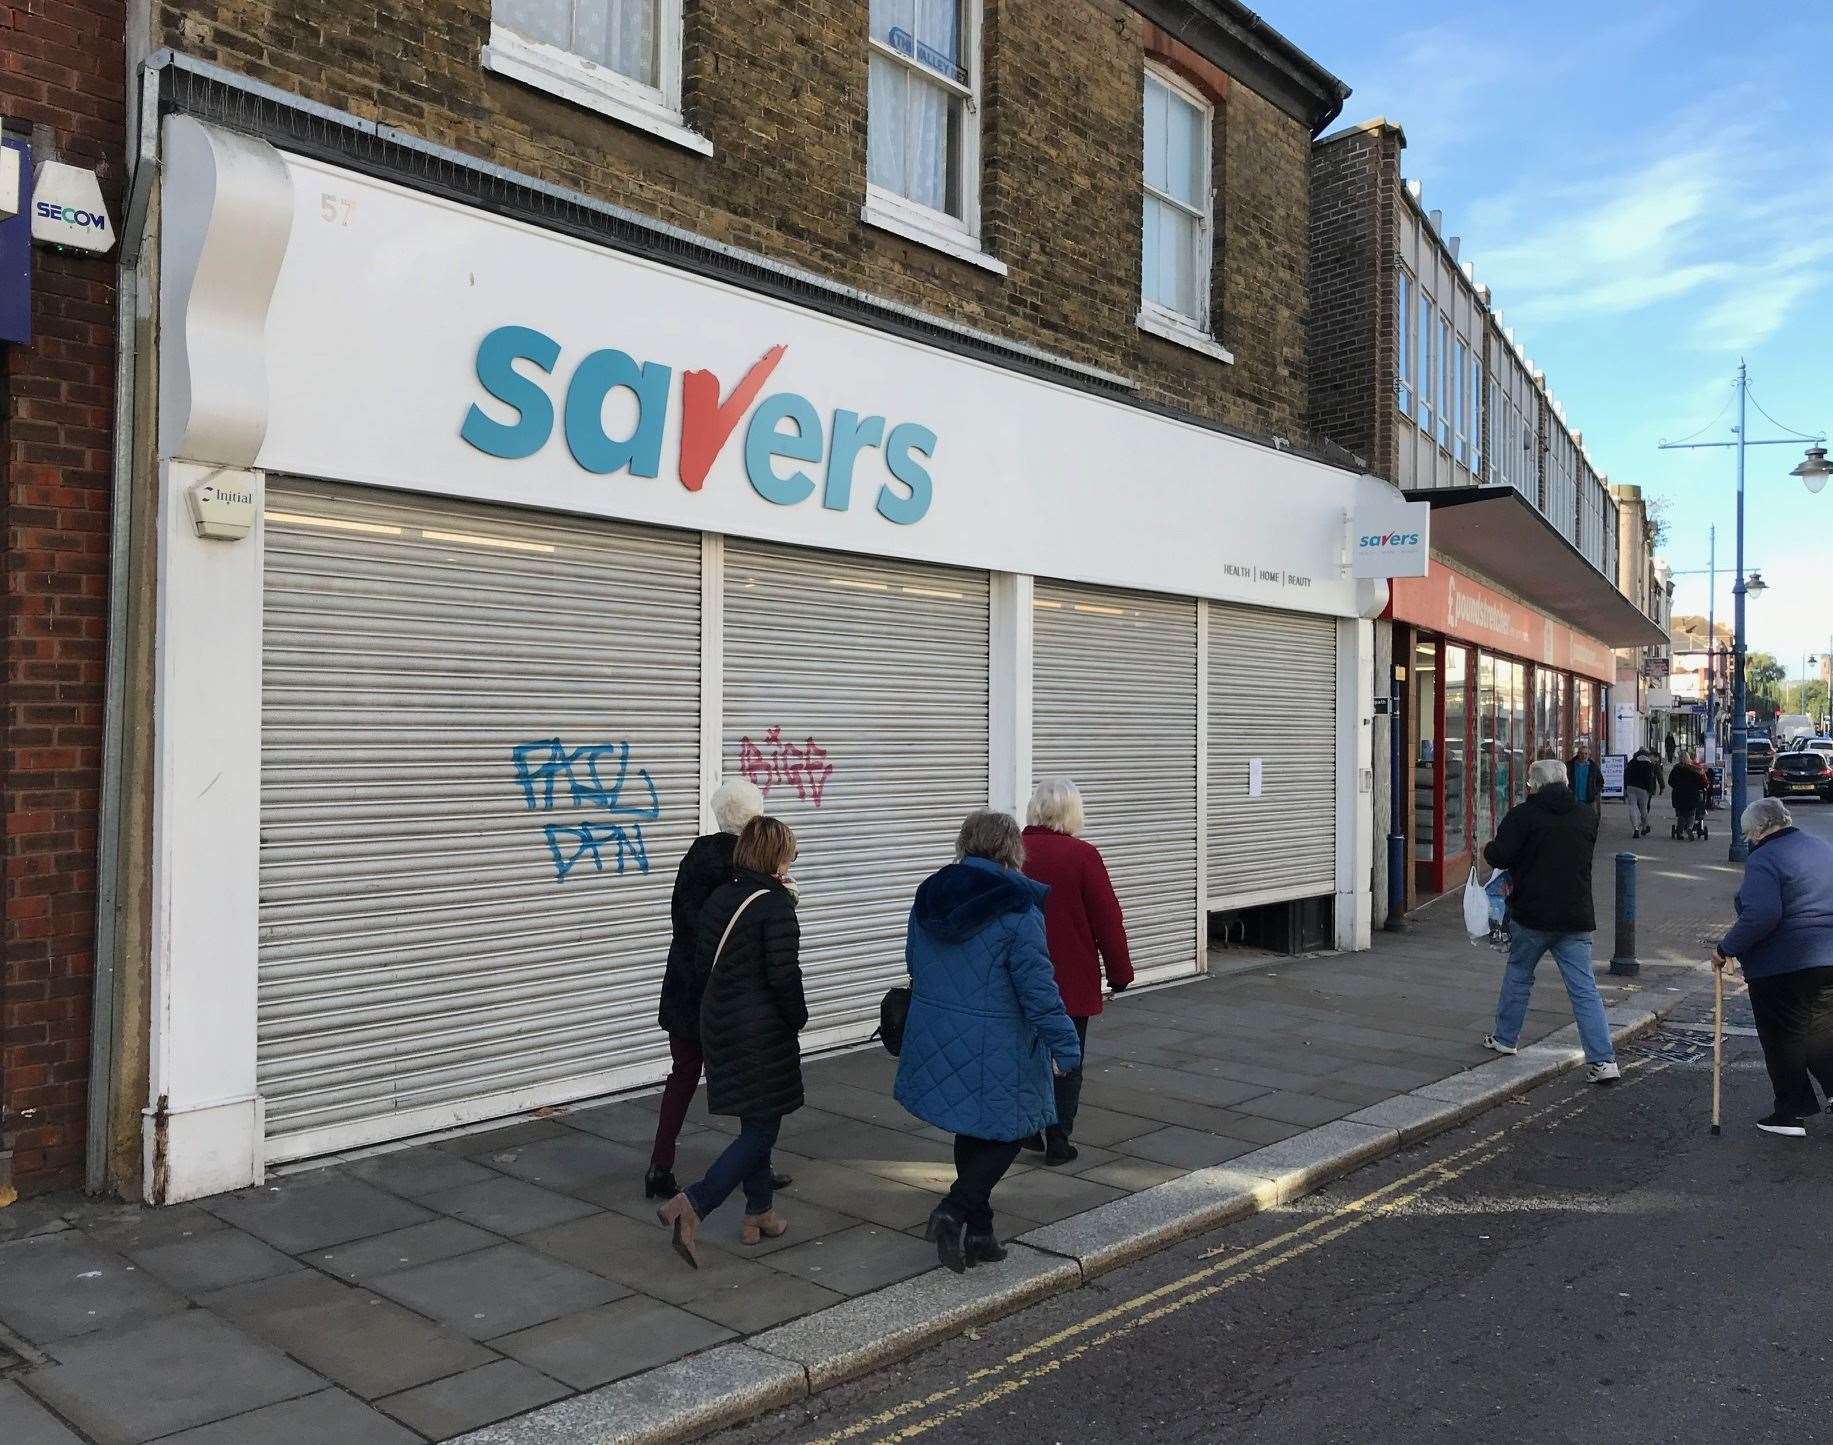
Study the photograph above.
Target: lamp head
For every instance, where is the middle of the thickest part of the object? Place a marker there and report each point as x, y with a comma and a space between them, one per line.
1814, 469
1754, 585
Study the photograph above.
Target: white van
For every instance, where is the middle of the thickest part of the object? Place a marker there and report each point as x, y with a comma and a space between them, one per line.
1792, 725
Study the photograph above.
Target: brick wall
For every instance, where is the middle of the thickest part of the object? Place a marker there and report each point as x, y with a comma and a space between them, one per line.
1352, 340
62, 82
779, 87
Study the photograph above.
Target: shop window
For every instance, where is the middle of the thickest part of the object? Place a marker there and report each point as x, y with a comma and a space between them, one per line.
1425, 752
1517, 730
1456, 747
1487, 755
1177, 225
619, 57
923, 123
1403, 366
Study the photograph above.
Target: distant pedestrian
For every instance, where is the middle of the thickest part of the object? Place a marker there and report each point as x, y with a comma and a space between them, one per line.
1545, 753
1586, 782
704, 867
1671, 746
986, 1028
1641, 781
1546, 844
1085, 929
1687, 784
1783, 940
747, 966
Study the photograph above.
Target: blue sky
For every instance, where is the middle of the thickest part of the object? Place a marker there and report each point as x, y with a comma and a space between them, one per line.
1648, 191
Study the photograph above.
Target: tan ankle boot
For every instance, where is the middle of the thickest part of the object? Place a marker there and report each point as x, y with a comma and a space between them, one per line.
758, 1227
679, 1215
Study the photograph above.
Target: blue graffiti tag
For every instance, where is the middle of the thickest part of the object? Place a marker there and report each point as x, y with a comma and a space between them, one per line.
542, 765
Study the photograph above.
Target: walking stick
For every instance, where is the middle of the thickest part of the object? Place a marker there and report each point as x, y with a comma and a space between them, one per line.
1718, 1036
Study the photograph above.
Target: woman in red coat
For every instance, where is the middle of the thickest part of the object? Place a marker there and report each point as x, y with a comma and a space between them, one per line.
1083, 925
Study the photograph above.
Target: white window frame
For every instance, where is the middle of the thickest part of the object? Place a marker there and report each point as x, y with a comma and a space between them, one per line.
1154, 317
1426, 313
1445, 332
1404, 379
958, 236
1473, 392
655, 109
1460, 351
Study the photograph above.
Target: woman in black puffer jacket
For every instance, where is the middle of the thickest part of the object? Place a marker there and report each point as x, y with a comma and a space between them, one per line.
748, 967
705, 867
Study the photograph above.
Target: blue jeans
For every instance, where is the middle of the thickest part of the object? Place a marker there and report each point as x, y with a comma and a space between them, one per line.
1572, 952
746, 1161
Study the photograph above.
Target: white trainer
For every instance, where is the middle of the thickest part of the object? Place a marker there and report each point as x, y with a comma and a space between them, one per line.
1496, 1046
1604, 1073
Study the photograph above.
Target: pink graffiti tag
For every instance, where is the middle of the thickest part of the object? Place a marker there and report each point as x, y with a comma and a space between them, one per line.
803, 766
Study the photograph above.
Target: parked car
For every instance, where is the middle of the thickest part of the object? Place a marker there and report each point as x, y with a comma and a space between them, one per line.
1801, 771
1759, 753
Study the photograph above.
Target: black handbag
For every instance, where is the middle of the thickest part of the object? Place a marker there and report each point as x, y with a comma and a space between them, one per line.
893, 1009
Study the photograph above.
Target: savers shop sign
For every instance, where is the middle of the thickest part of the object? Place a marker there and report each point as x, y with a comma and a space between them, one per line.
612, 410
1392, 539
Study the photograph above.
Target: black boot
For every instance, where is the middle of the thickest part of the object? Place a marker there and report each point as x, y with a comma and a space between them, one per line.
1033, 1142
1057, 1148
984, 1248
659, 1183
948, 1232
781, 1181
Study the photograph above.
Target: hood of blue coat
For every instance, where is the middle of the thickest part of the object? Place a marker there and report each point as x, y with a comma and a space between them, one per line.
958, 901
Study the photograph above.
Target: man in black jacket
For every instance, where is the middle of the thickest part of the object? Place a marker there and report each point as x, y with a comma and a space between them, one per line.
1546, 844
1641, 781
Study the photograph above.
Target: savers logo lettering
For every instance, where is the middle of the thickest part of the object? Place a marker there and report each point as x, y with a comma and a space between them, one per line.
1390, 539
514, 361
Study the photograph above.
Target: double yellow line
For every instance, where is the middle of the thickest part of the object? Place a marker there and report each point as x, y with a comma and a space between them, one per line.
1042, 1358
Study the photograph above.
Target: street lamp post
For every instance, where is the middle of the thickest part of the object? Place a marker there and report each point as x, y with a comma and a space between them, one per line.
1813, 472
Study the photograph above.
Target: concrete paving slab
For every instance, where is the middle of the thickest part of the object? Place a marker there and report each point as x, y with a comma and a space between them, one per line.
750, 1308
677, 1402
213, 1261
23, 1421
1413, 1116
350, 1335
1047, 1194
852, 1338
313, 1420
1285, 1107
1301, 1163
638, 1256
627, 1121
1186, 1149
1140, 1224
127, 1227
806, 1220
477, 1397
416, 1173
303, 1212
856, 1260
482, 1143
1133, 1175
402, 1249
128, 1385
864, 1196
53, 1286
573, 1160
510, 1206
595, 1347
496, 1291
1107, 1128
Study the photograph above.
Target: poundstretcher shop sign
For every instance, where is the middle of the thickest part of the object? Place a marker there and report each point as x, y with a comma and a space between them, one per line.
782, 427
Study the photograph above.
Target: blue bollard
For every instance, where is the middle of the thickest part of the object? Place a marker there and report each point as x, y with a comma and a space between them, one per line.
1623, 962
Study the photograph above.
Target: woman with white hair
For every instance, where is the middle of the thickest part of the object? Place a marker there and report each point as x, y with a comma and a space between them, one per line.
1783, 940
1086, 930
706, 867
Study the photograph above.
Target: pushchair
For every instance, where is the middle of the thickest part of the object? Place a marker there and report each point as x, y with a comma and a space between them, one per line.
1690, 817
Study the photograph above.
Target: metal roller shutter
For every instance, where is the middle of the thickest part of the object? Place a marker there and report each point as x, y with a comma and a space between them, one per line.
465, 872
1272, 696
1114, 707
856, 696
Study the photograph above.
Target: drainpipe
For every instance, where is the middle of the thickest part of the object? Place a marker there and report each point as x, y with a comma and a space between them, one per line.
108, 822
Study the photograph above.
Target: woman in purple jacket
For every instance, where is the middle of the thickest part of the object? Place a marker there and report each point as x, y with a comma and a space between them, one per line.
1783, 940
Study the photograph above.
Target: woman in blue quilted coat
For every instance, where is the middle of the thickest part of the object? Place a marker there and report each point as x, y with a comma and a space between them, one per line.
986, 1030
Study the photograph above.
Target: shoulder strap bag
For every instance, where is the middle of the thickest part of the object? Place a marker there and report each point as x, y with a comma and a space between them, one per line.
732, 923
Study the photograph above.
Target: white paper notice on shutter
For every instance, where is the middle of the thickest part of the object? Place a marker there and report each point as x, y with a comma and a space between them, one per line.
1255, 777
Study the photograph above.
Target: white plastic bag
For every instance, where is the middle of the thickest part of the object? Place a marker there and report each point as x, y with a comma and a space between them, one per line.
1476, 907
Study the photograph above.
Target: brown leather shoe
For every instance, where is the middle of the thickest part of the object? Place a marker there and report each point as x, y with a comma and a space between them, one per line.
678, 1214
759, 1227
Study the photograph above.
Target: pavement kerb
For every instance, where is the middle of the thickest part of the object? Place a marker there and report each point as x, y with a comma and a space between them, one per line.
731, 1383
